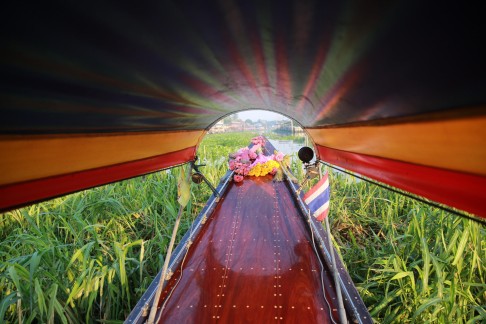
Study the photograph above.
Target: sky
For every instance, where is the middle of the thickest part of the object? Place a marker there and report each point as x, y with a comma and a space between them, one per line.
255, 115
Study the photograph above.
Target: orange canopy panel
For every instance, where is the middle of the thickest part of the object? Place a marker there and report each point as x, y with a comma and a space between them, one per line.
92, 94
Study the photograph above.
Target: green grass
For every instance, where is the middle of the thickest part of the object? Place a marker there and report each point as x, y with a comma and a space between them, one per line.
89, 256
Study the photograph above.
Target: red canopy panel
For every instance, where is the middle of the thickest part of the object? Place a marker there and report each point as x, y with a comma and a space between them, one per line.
20, 194
442, 160
460, 190
38, 167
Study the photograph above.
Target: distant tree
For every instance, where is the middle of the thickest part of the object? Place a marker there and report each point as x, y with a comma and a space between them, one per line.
231, 118
249, 121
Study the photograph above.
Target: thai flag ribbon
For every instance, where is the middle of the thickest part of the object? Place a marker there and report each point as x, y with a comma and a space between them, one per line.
317, 198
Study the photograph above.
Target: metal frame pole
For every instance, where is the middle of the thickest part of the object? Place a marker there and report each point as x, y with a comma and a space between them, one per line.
335, 274
153, 309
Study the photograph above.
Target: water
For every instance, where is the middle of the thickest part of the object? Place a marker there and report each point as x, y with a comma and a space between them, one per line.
291, 147
286, 146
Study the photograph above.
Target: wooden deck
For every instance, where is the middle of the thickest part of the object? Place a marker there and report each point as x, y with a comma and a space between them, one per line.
253, 262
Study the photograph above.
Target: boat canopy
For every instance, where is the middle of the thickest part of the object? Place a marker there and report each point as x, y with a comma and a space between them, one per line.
97, 92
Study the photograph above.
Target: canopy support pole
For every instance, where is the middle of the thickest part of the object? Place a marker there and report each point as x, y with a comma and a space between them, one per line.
342, 311
335, 274
153, 309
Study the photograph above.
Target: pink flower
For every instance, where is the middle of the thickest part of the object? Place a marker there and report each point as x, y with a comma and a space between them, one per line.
240, 170
246, 170
255, 147
238, 178
242, 160
258, 140
243, 150
274, 171
279, 157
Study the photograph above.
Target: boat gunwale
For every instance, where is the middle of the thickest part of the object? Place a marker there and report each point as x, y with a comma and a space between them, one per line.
146, 301
352, 302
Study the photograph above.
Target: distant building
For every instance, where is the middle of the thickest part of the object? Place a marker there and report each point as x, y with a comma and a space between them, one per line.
219, 127
239, 125
236, 126
287, 127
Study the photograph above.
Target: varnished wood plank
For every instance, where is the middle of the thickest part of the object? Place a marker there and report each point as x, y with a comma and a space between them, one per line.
253, 262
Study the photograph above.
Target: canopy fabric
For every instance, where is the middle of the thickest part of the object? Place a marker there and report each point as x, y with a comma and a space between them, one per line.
93, 93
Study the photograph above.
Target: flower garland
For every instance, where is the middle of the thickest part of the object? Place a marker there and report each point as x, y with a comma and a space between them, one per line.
252, 162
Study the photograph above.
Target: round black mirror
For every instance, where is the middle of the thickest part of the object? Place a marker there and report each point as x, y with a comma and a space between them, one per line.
306, 154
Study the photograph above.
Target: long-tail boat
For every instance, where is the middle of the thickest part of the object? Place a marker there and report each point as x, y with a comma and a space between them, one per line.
97, 93
252, 256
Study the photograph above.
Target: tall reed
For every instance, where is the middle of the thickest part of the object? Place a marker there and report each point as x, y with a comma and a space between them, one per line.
86, 256
412, 263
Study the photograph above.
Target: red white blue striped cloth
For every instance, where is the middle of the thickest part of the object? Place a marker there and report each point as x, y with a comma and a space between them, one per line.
317, 198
